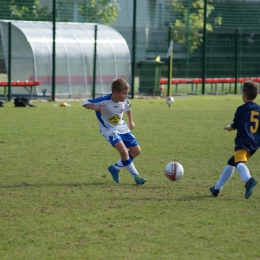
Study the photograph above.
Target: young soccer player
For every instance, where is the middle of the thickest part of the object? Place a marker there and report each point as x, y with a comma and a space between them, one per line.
247, 141
109, 112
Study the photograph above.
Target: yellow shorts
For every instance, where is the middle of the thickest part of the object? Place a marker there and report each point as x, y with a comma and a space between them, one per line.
241, 155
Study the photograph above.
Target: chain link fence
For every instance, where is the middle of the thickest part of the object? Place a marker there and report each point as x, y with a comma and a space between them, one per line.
223, 42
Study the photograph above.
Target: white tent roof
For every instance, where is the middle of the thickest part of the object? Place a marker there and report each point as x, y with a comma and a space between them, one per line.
32, 56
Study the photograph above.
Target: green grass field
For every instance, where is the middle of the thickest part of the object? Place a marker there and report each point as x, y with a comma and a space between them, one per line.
58, 201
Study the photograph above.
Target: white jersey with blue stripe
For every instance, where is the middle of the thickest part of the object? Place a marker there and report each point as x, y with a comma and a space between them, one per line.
111, 119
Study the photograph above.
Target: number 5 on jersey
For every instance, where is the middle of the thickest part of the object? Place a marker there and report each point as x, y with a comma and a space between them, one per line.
254, 128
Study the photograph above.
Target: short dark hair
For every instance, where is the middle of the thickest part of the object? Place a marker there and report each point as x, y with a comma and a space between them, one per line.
119, 84
250, 88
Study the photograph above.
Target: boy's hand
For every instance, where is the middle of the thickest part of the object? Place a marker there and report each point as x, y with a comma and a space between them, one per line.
131, 125
229, 128
99, 109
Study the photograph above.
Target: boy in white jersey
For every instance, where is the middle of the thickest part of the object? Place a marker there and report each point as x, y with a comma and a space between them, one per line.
109, 111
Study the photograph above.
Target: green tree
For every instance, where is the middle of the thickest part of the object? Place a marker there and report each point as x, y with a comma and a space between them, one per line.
19, 10
100, 11
188, 23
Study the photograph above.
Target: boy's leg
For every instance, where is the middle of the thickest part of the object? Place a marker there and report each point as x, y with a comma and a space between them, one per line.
114, 169
134, 151
115, 173
241, 157
243, 171
224, 177
126, 162
250, 182
129, 165
119, 165
226, 174
126, 157
116, 141
132, 154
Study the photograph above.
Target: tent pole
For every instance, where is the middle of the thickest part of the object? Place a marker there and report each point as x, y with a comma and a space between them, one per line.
133, 50
9, 59
53, 49
94, 64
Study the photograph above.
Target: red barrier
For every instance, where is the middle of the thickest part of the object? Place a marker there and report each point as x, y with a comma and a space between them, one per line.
196, 81
19, 83
76, 79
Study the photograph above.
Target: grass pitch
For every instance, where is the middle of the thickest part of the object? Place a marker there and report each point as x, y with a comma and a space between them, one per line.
58, 201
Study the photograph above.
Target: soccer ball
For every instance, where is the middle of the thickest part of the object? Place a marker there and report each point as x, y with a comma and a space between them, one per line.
169, 100
161, 88
174, 171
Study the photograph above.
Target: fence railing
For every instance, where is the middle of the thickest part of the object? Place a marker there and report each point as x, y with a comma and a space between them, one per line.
230, 50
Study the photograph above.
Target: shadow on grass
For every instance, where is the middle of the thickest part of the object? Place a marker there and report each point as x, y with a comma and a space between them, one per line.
24, 184
105, 184
114, 187
195, 197
145, 198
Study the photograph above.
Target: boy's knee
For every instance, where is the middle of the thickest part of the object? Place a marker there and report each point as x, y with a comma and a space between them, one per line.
134, 152
231, 161
124, 153
138, 151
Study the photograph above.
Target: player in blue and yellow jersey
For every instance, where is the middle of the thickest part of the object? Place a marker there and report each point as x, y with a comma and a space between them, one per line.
109, 112
247, 141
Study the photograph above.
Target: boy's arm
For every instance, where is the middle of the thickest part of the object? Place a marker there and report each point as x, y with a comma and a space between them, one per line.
233, 125
130, 120
93, 107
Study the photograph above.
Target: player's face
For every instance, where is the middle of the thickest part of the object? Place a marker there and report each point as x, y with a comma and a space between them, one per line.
122, 95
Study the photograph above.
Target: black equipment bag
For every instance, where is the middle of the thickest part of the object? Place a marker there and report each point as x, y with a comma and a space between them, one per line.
22, 102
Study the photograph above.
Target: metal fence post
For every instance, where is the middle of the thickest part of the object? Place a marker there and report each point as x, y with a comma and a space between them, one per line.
236, 58
9, 59
94, 63
133, 49
53, 50
169, 64
204, 48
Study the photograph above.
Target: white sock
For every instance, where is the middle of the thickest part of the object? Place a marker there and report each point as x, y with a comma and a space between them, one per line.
119, 165
225, 176
243, 172
131, 168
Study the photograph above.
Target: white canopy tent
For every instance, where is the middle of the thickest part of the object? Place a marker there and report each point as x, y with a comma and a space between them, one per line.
31, 56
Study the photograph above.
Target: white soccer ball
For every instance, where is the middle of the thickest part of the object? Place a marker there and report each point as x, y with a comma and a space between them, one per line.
161, 88
174, 171
169, 100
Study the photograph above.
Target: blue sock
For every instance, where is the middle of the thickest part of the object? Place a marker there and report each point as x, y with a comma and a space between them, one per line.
129, 165
125, 163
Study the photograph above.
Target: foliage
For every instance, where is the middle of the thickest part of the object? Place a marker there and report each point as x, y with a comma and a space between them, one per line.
58, 201
239, 14
189, 20
100, 11
18, 10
